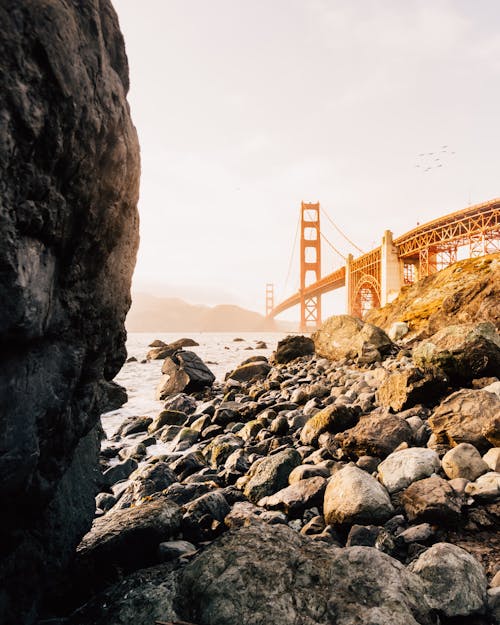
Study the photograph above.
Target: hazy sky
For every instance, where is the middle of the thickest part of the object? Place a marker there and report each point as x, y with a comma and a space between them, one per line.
246, 107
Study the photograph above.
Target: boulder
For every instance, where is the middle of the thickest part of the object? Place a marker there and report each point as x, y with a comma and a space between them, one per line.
398, 330
486, 487
250, 371
402, 468
492, 459
183, 371
157, 343
163, 350
334, 418
146, 481
370, 536
142, 598
455, 581
461, 417
200, 514
296, 498
244, 513
124, 541
119, 471
69, 166
491, 429
343, 337
306, 471
133, 425
167, 417
181, 402
296, 580
431, 499
115, 396
463, 352
465, 461
220, 448
354, 496
271, 474
377, 434
173, 549
292, 347
406, 388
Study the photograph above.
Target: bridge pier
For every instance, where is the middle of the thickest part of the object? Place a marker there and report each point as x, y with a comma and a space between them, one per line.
391, 270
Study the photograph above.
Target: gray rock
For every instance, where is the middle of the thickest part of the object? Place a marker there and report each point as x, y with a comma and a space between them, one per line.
492, 459
417, 534
244, 513
463, 352
455, 581
494, 604
105, 501
377, 434
115, 396
343, 337
124, 541
353, 496
220, 448
370, 536
142, 598
174, 549
296, 498
486, 487
312, 583
461, 417
271, 475
183, 371
410, 386
146, 481
401, 468
465, 461
181, 402
200, 514
120, 471
398, 330
333, 418
305, 471
132, 425
433, 500
167, 417
250, 371
292, 347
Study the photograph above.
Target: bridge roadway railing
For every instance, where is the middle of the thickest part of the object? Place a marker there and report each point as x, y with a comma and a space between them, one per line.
457, 228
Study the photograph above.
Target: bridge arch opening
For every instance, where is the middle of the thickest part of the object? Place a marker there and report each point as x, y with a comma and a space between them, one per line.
367, 296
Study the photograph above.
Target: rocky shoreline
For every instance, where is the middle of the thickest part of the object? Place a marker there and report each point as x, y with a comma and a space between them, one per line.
352, 479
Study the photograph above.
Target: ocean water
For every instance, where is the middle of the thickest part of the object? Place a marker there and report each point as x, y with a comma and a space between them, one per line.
218, 350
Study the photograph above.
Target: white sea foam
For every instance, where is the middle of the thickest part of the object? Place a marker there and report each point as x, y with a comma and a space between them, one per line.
217, 350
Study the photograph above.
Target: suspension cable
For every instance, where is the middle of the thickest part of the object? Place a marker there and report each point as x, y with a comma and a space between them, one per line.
333, 247
340, 231
292, 253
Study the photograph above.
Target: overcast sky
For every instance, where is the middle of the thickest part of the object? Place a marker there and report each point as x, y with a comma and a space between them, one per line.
246, 107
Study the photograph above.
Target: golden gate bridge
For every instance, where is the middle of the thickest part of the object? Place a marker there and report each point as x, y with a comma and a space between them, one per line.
375, 278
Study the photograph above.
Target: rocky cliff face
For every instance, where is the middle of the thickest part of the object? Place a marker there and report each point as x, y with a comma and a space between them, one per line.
465, 292
69, 175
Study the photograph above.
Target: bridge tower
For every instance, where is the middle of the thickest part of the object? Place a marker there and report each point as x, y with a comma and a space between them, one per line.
310, 265
269, 298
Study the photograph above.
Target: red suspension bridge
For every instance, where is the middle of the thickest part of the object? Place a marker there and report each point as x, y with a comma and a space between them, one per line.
375, 278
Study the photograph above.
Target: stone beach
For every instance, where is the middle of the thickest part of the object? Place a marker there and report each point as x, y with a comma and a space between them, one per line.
359, 488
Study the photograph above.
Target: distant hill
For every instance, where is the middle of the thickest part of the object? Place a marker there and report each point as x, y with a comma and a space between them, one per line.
167, 314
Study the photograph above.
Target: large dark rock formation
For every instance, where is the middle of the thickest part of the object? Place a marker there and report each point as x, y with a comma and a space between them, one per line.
69, 173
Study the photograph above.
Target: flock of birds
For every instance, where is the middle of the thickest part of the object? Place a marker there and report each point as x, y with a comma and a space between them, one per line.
434, 160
